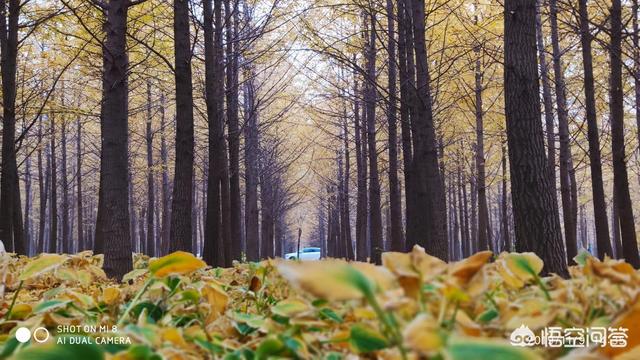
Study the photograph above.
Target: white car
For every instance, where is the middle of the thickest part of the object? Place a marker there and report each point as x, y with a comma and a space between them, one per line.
308, 253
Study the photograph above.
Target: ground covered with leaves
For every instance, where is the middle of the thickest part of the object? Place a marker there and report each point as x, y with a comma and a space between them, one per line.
413, 306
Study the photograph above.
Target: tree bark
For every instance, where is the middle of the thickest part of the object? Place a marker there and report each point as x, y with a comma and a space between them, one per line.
251, 213
569, 212
484, 228
431, 230
375, 215
595, 163
166, 192
234, 132
11, 229
66, 230
180, 232
536, 215
151, 200
361, 200
112, 225
53, 204
397, 243
616, 108
79, 196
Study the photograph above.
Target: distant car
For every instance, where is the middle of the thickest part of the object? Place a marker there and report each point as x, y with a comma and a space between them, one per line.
308, 253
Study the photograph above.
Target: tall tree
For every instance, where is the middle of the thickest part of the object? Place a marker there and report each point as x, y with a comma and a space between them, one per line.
234, 131
431, 231
616, 108
375, 214
11, 229
595, 163
392, 123
112, 225
182, 199
251, 213
53, 203
536, 218
66, 229
151, 201
484, 229
361, 165
79, 196
569, 204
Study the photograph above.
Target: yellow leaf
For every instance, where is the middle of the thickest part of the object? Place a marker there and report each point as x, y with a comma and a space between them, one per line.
290, 307
41, 265
217, 299
111, 295
422, 335
20, 311
465, 269
177, 263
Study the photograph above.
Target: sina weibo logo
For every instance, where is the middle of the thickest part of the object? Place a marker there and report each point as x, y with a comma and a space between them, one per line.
522, 336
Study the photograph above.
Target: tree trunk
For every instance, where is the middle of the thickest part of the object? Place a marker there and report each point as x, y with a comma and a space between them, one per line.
361, 200
375, 217
27, 207
397, 243
506, 239
597, 188
234, 133
536, 215
431, 230
11, 229
151, 201
66, 230
484, 229
166, 192
79, 197
616, 107
180, 232
547, 98
112, 225
569, 212
251, 166
346, 211
53, 205
42, 191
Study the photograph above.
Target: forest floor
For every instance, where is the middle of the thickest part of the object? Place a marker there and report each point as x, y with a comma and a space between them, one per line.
175, 307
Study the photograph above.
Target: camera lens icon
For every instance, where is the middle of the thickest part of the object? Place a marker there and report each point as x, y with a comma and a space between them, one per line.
40, 334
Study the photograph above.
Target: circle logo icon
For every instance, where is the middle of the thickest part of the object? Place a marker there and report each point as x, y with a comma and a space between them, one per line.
23, 334
41, 334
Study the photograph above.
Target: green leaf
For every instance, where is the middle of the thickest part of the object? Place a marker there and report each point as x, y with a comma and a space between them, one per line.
364, 339
55, 351
468, 348
289, 308
44, 263
581, 258
154, 311
269, 347
327, 313
487, 316
9, 347
49, 305
211, 347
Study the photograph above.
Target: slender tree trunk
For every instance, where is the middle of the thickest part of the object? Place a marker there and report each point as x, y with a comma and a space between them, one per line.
251, 166
11, 229
79, 197
547, 98
616, 106
536, 215
151, 201
53, 205
361, 200
397, 243
595, 163
266, 213
166, 193
374, 183
27, 206
66, 229
484, 228
112, 225
569, 213
234, 133
180, 232
506, 239
432, 224
42, 191
615, 227
636, 61
346, 212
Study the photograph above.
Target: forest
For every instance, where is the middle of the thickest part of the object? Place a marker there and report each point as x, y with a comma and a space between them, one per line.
166, 135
